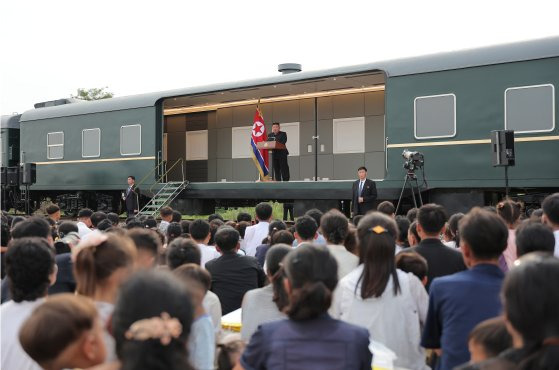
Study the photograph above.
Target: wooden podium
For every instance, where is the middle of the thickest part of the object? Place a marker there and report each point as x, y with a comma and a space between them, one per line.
271, 146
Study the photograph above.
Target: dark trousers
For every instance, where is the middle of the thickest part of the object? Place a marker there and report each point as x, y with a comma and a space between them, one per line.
288, 209
281, 168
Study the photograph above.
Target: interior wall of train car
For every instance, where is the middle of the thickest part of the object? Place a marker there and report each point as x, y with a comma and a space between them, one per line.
215, 144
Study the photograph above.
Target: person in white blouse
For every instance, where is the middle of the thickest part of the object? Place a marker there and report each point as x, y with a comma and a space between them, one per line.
335, 227
390, 303
256, 233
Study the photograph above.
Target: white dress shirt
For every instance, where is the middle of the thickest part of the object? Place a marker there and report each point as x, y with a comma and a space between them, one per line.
208, 253
83, 230
13, 316
347, 261
254, 235
393, 320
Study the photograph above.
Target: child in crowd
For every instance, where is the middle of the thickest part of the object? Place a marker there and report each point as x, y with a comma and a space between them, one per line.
201, 343
64, 332
102, 263
488, 339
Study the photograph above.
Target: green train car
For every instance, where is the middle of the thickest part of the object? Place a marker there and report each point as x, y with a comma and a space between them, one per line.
442, 105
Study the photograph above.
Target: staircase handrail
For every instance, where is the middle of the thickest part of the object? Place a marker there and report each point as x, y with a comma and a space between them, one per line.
163, 162
181, 161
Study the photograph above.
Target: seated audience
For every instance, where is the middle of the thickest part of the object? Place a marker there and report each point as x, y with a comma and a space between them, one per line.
509, 211
387, 207
174, 230
309, 339
64, 333
335, 227
67, 227
534, 237
355, 220
200, 232
151, 322
229, 351
274, 227
201, 342
488, 339
185, 251
403, 228
185, 225
113, 217
414, 263
177, 216
458, 302
215, 216
166, 214
241, 228
31, 269
232, 274
390, 303
102, 263
258, 304
53, 212
104, 225
148, 246
530, 304
243, 216
305, 230
431, 219
413, 236
411, 215
215, 224
317, 215
550, 217
97, 217
279, 237
452, 238
256, 233
84, 222
351, 243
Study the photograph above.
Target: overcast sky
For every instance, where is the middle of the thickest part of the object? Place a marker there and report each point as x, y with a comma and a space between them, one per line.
51, 48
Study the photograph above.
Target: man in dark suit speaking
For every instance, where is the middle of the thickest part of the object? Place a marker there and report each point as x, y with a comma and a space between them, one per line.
281, 167
364, 193
131, 197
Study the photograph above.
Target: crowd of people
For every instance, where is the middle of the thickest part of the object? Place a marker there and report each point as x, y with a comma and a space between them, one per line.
469, 291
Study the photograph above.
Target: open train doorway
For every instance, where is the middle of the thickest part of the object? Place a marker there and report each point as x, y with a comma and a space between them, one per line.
335, 124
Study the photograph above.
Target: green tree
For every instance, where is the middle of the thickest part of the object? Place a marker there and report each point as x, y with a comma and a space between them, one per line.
93, 94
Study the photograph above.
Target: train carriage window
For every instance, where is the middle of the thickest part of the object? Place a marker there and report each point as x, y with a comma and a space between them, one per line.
91, 142
435, 116
55, 145
530, 108
131, 140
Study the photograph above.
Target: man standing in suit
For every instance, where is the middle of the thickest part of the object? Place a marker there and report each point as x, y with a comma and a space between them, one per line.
279, 162
364, 193
131, 197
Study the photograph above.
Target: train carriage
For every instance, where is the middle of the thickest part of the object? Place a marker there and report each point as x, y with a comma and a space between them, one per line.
443, 105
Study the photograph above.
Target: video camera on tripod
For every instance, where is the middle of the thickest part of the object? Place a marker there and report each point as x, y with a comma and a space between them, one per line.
413, 160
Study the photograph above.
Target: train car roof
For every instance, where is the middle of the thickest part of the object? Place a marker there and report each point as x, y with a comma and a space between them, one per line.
10, 121
513, 52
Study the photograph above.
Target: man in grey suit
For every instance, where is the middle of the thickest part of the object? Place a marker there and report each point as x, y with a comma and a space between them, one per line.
364, 193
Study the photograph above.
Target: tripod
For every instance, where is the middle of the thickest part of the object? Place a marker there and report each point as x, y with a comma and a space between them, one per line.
411, 180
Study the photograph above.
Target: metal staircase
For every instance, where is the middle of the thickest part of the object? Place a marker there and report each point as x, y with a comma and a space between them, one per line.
165, 191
